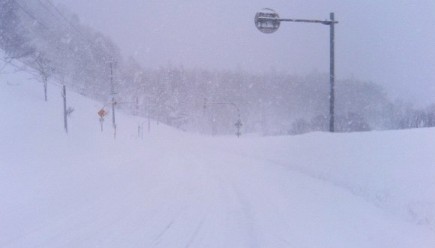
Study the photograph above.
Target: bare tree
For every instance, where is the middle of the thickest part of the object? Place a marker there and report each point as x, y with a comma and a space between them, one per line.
45, 70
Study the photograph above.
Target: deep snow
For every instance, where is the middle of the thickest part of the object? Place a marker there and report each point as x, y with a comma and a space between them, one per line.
174, 189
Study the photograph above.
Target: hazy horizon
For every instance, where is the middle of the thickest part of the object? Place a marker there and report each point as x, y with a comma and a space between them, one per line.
388, 43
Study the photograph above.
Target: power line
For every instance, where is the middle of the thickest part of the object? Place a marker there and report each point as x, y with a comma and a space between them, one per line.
63, 17
70, 24
27, 12
32, 16
77, 30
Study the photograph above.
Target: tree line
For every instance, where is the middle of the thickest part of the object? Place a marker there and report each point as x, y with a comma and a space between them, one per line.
57, 46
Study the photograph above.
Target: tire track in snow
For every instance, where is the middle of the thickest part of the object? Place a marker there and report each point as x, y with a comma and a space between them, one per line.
237, 203
197, 230
193, 194
168, 226
246, 209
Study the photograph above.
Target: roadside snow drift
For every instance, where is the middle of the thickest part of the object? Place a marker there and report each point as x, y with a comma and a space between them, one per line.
173, 189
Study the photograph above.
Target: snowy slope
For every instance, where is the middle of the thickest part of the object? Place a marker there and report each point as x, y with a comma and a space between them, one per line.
173, 189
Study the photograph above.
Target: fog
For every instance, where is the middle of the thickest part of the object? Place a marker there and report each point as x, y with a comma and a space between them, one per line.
387, 42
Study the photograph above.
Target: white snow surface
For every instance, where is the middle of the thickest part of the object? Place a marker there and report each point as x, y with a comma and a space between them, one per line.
174, 189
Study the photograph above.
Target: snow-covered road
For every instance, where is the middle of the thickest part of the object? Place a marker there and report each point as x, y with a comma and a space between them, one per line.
174, 189
208, 198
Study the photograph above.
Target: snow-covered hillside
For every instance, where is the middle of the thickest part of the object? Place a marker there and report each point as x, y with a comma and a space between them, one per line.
173, 189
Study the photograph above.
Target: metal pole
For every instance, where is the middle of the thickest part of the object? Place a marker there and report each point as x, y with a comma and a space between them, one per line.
113, 100
101, 123
137, 113
45, 88
149, 123
65, 115
272, 19
332, 75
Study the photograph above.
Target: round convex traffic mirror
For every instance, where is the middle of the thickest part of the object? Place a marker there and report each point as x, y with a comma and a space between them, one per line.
267, 21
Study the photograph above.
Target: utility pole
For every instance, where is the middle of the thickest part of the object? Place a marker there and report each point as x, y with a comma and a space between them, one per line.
113, 100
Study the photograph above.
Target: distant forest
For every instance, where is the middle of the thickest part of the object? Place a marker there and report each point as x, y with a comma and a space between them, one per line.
57, 47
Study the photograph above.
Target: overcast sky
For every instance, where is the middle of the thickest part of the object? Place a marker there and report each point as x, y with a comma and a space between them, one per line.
389, 42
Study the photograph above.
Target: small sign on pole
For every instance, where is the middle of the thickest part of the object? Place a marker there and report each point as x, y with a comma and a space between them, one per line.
102, 113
